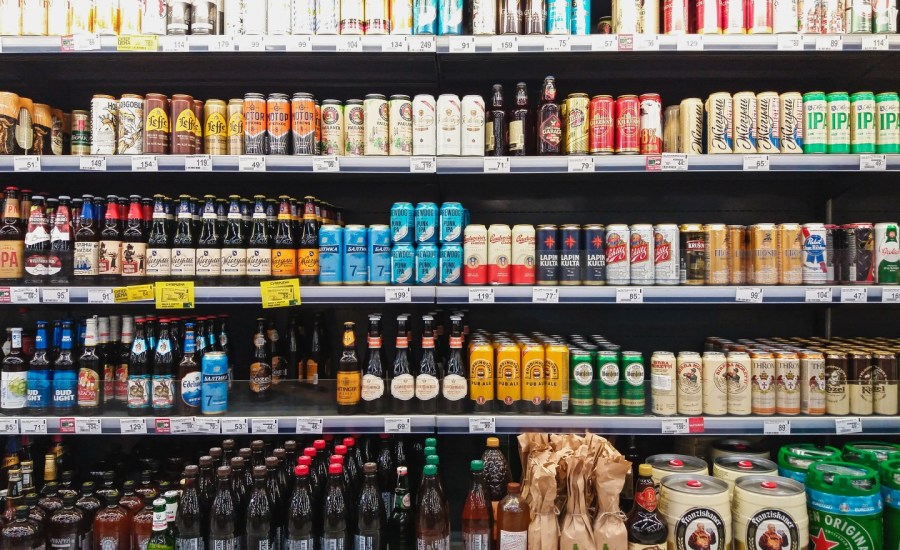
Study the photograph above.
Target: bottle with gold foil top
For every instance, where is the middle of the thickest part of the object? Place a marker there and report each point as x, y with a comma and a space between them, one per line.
349, 380
509, 378
647, 530
261, 367
284, 251
481, 375
12, 238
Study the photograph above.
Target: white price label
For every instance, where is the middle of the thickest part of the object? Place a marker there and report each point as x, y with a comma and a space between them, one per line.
629, 295
646, 42
872, 163
251, 43
198, 163
756, 163
890, 295
88, 426
689, 43
397, 294
847, 425
504, 44
557, 44
175, 44
92, 163
235, 426
854, 295
397, 425
675, 426
545, 295
422, 165
144, 163
349, 44
133, 425
749, 294
482, 425
394, 44
25, 295
205, 425
182, 425
308, 425
819, 295
578, 164
100, 296
674, 162
299, 43
223, 43
86, 42
264, 425
422, 44
55, 295
496, 165
462, 44
790, 42
251, 163
326, 164
604, 43
33, 426
830, 43
27, 163
874, 42
9, 426
481, 295
777, 427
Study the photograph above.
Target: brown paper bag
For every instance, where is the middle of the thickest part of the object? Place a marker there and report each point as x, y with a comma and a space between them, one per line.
543, 531
609, 524
576, 531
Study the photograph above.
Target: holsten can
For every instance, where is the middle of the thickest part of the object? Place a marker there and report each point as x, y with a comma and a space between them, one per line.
697, 511
475, 253
523, 252
769, 511
845, 506
214, 383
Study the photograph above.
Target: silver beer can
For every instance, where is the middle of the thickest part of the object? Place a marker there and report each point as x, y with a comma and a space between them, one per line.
424, 125
130, 16
472, 126
255, 18
58, 17
744, 116
667, 254
768, 123
34, 17
484, 17
153, 17
178, 18
234, 16
204, 17
328, 16
790, 109
279, 17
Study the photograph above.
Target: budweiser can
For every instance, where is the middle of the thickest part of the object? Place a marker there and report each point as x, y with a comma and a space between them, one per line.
449, 132
81, 20
499, 252
303, 17
601, 137
130, 131
234, 16
759, 17
690, 126
594, 254
815, 269
651, 124
719, 124
378, 17
768, 137
472, 126
744, 116
104, 125
763, 250
484, 17
666, 254
731, 17
784, 16
790, 110
618, 261
352, 17
400, 125
11, 17
707, 17
475, 254
279, 15
626, 16
401, 17
671, 138
34, 17
523, 252
737, 254
790, 254
675, 16
58, 17
717, 256
424, 128
762, 382
641, 250
628, 124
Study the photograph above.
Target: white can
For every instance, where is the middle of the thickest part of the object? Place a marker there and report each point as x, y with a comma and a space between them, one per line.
401, 17
737, 376
790, 108
499, 252
153, 17
689, 376
353, 16
400, 125
424, 125
106, 17
375, 124
784, 16
618, 259
719, 124
762, 378
255, 17
81, 16
666, 254
640, 247
649, 21
523, 255
663, 383
130, 129
770, 508
744, 116
472, 126
328, 16
378, 17
715, 384
484, 18
104, 124
768, 123
759, 17
626, 18
475, 254
57, 17
815, 254
10, 18
449, 132
130, 16
234, 16
732, 16
34, 17
303, 17
279, 16
690, 126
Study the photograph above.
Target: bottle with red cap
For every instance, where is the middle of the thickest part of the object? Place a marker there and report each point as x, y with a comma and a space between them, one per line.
334, 525
353, 464
300, 525
12, 238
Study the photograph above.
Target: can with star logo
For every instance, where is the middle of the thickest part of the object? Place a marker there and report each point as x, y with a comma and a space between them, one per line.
845, 506
594, 254
547, 244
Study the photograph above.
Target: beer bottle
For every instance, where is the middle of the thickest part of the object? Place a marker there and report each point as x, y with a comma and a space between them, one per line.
121, 355
88, 503
401, 526
455, 390
161, 538
549, 123
240, 489
284, 255
142, 523
513, 518
520, 132
209, 244
66, 529
371, 517
139, 365
234, 244
60, 261
87, 246
14, 384
77, 204
387, 471
259, 514
65, 376
300, 513
375, 377
189, 375
106, 352
162, 383
645, 524
159, 244
261, 367
403, 384
259, 248
221, 513
37, 243
277, 498
12, 239
348, 375
476, 513
184, 247
496, 476
39, 379
308, 255
335, 531
296, 351
134, 243
20, 534
110, 252
428, 385
111, 524
495, 128
317, 355
279, 365
131, 501
271, 216
90, 372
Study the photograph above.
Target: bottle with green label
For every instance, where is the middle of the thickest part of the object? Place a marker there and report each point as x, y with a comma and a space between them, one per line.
845, 506
890, 492
162, 537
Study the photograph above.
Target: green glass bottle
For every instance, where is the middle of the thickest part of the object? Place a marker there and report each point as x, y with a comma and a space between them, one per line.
162, 537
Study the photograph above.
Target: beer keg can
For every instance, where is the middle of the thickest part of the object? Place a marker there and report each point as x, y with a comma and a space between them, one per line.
104, 125
426, 264
815, 133
744, 115
768, 137
887, 136
689, 382
215, 127
618, 259
58, 18
695, 503
450, 262
33, 17
837, 390
812, 383
352, 17
707, 17
787, 378
402, 17
475, 254
303, 17
450, 17
473, 113
642, 271
737, 254
379, 254
675, 17
425, 17
666, 254
690, 126
255, 115
558, 12
130, 125
837, 122
400, 125
328, 16
332, 125
737, 373
424, 131
378, 17
784, 16
278, 124
214, 383
693, 254
862, 123
577, 106
762, 382
764, 505
719, 124
178, 17
790, 253
814, 265
602, 126
790, 107
571, 254
730, 468
663, 384
717, 254
523, 253
354, 128
628, 124
235, 141
376, 125
81, 132
671, 122
580, 18
499, 253
278, 17
204, 17
594, 254
547, 243
714, 384
763, 251
449, 133
651, 124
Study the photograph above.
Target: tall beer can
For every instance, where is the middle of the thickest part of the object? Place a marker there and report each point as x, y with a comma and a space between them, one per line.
594, 254
234, 16
450, 17
34, 17
626, 17
547, 244
279, 16
884, 16
523, 253
235, 142
787, 378
707, 17
577, 123
814, 265
790, 109
732, 14
352, 17
768, 122
666, 254
303, 17
278, 124
11, 17
689, 376
354, 128
558, 16
628, 125
887, 254
401, 17
762, 386
602, 126
815, 134
763, 252
737, 374
887, 137
378, 17
717, 254
106, 17
376, 125
836, 387
472, 126
719, 124
332, 124
255, 18
859, 20
618, 260
484, 17
328, 16
651, 124
690, 126
663, 384
833, 17
862, 123
759, 17
693, 254
81, 16
424, 125
671, 122
130, 131
536, 17
812, 383
130, 16
58, 17
790, 254
104, 125
714, 384
509, 20
744, 114
215, 127
156, 124
580, 18
425, 17
885, 383
178, 18
838, 122
675, 17
475, 255
400, 125
449, 131
784, 16
255, 138
811, 16
642, 270
571, 255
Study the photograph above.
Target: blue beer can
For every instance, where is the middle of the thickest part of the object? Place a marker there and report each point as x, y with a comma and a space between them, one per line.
450, 16
331, 270
403, 217
558, 12
403, 264
379, 255
450, 264
452, 222
425, 16
356, 255
426, 223
214, 383
426, 264
580, 17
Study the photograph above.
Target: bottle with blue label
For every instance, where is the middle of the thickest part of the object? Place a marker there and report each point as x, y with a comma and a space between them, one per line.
138, 388
189, 374
65, 375
39, 381
14, 384
162, 384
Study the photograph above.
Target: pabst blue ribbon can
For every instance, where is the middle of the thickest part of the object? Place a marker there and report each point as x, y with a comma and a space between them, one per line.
814, 251
601, 131
547, 243
475, 270
666, 254
641, 249
595, 254
523, 253
618, 261
628, 125
768, 122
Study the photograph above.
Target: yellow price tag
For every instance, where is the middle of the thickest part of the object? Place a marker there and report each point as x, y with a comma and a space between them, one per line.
179, 295
120, 295
138, 43
137, 293
281, 293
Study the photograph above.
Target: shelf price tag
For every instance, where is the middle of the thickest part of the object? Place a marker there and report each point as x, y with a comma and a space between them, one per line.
144, 163
251, 163
223, 43
198, 163
133, 425
422, 44
422, 165
481, 295
818, 295
675, 426
777, 427
462, 44
55, 295
482, 425
100, 296
205, 425
309, 425
175, 295
27, 163
251, 43
66, 425
299, 43
33, 426
264, 425
834, 42
88, 426
9, 426
790, 42
874, 42
646, 42
349, 44
629, 295
674, 162
872, 163
545, 295
395, 44
137, 43
854, 295
25, 295
174, 44
135, 293
496, 165
756, 163
92, 163
84, 42
397, 294
504, 44
235, 426
326, 164
182, 425
847, 425
604, 43
280, 293
557, 44
890, 295
749, 294
689, 43
579, 164
397, 425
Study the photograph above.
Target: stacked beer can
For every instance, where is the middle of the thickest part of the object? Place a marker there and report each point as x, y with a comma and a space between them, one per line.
427, 243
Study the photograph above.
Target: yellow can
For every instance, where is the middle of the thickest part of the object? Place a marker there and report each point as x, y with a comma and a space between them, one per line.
509, 377
577, 124
235, 112
481, 375
215, 127
556, 374
534, 391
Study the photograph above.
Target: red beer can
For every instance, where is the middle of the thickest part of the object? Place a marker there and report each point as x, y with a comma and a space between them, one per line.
651, 124
601, 136
628, 125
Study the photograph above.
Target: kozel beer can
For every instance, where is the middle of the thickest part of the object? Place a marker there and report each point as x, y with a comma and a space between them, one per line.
618, 260
594, 254
450, 264
523, 254
790, 109
547, 244
570, 255
814, 264
475, 254
666, 254
887, 138
403, 264
379, 254
331, 245
424, 125
815, 134
499, 253
426, 264
744, 115
768, 123
449, 134
641, 251
719, 124
838, 122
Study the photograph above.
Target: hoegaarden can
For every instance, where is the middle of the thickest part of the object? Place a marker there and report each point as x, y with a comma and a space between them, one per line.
845, 506
632, 380
795, 460
582, 367
815, 133
890, 493
838, 122
862, 122
607, 393
887, 136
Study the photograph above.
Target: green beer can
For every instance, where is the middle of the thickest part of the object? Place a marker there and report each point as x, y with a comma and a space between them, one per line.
815, 124
887, 136
862, 123
890, 493
634, 398
608, 396
795, 460
845, 506
582, 375
838, 122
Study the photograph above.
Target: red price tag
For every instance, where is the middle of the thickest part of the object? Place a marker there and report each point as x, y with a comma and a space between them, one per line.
695, 425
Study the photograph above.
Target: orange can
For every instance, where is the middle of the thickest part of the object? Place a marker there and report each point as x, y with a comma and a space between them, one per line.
9, 113
304, 124
790, 254
42, 126
737, 254
255, 122
278, 124
717, 259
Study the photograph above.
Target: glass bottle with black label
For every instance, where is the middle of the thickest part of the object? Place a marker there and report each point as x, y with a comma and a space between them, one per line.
520, 133
261, 367
403, 383
428, 384
348, 374
455, 386
375, 376
259, 247
184, 246
646, 527
548, 124
159, 243
209, 243
308, 255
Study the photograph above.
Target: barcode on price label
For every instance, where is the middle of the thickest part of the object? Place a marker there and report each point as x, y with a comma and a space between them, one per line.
25, 294
308, 425
88, 426
482, 425
33, 426
182, 425
100, 296
326, 164
133, 425
890, 295
674, 162
397, 294
204, 425
629, 295
777, 427
234, 426
198, 163
675, 426
749, 294
847, 425
397, 425
264, 425
872, 163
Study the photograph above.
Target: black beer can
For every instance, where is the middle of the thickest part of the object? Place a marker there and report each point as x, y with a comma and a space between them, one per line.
547, 237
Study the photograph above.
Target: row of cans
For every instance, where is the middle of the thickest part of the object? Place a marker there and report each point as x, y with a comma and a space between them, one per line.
427, 224
30, 128
355, 255
602, 125
427, 264
499, 255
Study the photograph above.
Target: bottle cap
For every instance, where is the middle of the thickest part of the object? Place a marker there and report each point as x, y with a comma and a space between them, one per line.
493, 442
645, 470
476, 466
513, 488
309, 451
335, 469
402, 470
337, 459
370, 468
301, 471
340, 449
434, 460
430, 451
319, 444
259, 471
431, 442
430, 470
348, 442
304, 461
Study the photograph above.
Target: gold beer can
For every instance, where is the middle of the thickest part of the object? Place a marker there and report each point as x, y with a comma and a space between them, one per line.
763, 250
762, 387
534, 392
790, 254
690, 126
577, 124
737, 254
57, 136
717, 259
41, 126
235, 137
130, 17
9, 114
671, 137
215, 127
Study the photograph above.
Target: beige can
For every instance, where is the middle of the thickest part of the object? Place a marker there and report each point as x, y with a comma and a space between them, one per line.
376, 125
715, 384
235, 137
697, 510
719, 124
762, 386
787, 378
836, 386
663, 383
689, 375
733, 467
790, 254
671, 137
665, 465
763, 251
737, 376
690, 126
717, 256
812, 382
769, 512
744, 112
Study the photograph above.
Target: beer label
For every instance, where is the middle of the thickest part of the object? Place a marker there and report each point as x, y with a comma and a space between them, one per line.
138, 391
189, 544
772, 529
700, 529
454, 388
236, 124
109, 258
308, 262
348, 388
737, 377
634, 374
159, 262
190, 389
477, 541
312, 371
216, 127
208, 262
39, 388
259, 262
88, 387
513, 540
299, 544
162, 392
583, 374
87, 255
362, 542
838, 522
134, 258
489, 136
646, 499
481, 381
230, 543
13, 390
65, 388
187, 123
509, 389
403, 387
427, 387
284, 262
533, 382
551, 131
372, 387
516, 136
234, 262
65, 543
158, 121
184, 262
689, 378
260, 377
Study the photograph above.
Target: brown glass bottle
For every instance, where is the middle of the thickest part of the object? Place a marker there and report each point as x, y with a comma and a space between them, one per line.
512, 519
110, 253
348, 374
476, 513
142, 524
371, 517
375, 378
111, 525
221, 514
88, 503
261, 365
646, 527
20, 534
428, 383
12, 241
259, 531
241, 470
300, 532
308, 253
455, 387
520, 132
38, 517
134, 243
66, 528
496, 126
549, 123
188, 516
403, 383
279, 364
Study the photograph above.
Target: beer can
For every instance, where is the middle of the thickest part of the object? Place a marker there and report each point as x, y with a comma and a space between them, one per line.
762, 382
178, 17
790, 108
812, 383
255, 138
81, 17
571, 255
887, 254
814, 265
547, 243
738, 368
214, 383
278, 17
426, 264
628, 124
580, 18
689, 378
81, 132
472, 140
403, 264
475, 253
255, 17
130, 125
450, 264
449, 132
690, 127
626, 17
451, 222
215, 127
744, 115
836, 386
642, 271
58, 18
790, 254
837, 122
234, 11
57, 135
577, 124
278, 124
378, 17
376, 125
719, 124
328, 16
41, 130
737, 254
859, 16
815, 133
379, 254
862, 123
556, 374
523, 252
715, 384
666, 254
602, 128
354, 128
425, 17
594, 254
331, 255
499, 253
693, 254
332, 125
534, 392
607, 398
509, 20
403, 222
671, 138
632, 381
717, 254
663, 384
887, 136
400, 125
352, 17
759, 17
303, 17
675, 17
402, 17
426, 223
884, 382
356, 255
235, 137
618, 260
557, 17
787, 378
205, 17
104, 125
763, 250
857, 253
768, 137
33, 18
106, 17
450, 17
651, 124
731, 16
197, 126
424, 128
509, 376
707, 17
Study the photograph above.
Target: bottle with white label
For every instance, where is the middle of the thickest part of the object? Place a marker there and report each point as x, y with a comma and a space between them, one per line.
90, 372
455, 387
184, 243
403, 383
159, 244
513, 517
375, 375
14, 384
87, 245
428, 385
259, 247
